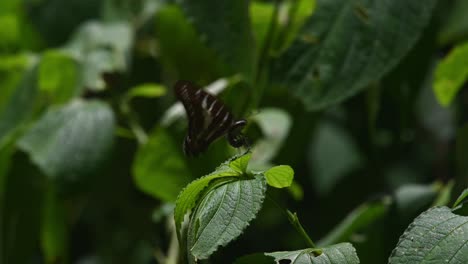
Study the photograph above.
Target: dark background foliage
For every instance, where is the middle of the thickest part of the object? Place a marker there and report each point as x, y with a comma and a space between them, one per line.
345, 92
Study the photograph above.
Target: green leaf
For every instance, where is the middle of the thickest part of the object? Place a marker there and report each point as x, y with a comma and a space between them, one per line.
451, 74
182, 53
239, 163
333, 155
101, 48
18, 92
54, 233
339, 253
148, 90
223, 214
59, 76
462, 198
190, 195
360, 218
159, 168
454, 25
71, 141
436, 236
347, 45
280, 176
225, 27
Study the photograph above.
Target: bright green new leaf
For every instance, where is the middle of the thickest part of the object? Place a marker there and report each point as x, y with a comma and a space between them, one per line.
71, 141
451, 74
223, 214
347, 45
339, 253
436, 236
279, 176
148, 90
59, 76
159, 168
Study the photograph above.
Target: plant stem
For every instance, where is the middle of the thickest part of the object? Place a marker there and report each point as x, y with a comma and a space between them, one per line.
294, 220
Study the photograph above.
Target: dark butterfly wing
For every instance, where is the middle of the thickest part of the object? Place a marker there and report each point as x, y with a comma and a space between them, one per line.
208, 118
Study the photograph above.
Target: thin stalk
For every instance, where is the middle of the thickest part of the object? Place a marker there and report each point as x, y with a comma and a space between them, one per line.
294, 220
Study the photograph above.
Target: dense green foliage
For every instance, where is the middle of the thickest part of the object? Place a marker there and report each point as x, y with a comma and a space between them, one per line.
356, 115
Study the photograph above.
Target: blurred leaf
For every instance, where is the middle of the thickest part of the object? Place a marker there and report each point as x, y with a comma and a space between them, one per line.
279, 176
223, 214
182, 53
225, 27
360, 218
159, 168
462, 198
147, 90
333, 155
455, 26
411, 199
54, 233
188, 198
261, 15
275, 125
17, 92
9, 30
298, 13
451, 74
439, 120
436, 236
71, 141
347, 45
101, 48
461, 152
59, 76
339, 253
445, 191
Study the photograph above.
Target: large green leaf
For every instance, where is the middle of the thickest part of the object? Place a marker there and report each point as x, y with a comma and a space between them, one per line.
188, 198
159, 168
223, 214
225, 27
451, 74
71, 141
339, 253
436, 236
347, 45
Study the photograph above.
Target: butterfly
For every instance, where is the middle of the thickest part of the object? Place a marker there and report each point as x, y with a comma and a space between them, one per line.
208, 120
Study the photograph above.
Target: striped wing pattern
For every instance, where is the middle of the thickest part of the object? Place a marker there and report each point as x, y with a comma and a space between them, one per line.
208, 117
